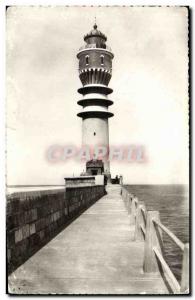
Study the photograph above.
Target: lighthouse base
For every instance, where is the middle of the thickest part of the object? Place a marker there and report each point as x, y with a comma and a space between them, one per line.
108, 178
96, 167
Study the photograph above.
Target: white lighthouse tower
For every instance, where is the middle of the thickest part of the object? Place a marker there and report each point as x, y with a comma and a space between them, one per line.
95, 72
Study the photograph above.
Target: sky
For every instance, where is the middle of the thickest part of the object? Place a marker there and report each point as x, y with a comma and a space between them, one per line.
149, 81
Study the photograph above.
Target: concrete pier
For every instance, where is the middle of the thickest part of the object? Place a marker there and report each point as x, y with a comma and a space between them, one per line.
95, 254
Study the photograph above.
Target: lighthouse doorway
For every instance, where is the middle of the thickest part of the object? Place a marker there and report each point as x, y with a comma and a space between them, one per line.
94, 172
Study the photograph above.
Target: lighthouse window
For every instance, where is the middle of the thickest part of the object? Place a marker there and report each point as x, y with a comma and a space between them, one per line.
102, 59
87, 59
94, 133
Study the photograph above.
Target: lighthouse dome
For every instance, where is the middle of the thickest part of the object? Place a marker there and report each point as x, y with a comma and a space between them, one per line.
95, 33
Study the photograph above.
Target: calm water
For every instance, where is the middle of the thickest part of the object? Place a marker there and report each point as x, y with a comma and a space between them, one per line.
172, 201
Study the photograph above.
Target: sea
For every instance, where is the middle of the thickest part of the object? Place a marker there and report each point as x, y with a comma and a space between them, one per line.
172, 201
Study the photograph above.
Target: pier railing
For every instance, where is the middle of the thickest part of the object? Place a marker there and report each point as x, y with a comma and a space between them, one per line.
148, 228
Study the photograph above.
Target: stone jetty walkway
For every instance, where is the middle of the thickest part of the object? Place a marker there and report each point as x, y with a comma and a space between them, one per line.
95, 254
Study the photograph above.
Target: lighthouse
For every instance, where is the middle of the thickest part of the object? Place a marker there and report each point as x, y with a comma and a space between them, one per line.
95, 72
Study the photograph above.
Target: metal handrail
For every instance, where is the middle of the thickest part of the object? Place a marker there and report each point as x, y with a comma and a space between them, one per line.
143, 211
167, 269
170, 234
153, 244
143, 229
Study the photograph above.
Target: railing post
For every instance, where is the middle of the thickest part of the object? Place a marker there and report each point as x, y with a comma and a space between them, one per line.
134, 204
123, 191
185, 270
125, 197
129, 203
151, 241
139, 235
